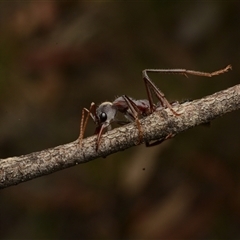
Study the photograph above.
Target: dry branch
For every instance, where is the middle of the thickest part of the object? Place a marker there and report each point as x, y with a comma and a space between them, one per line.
15, 170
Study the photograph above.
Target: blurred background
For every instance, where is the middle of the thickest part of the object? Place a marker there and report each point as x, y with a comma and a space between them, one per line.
57, 57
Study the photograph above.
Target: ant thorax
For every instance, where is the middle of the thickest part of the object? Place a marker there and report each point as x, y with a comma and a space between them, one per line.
122, 106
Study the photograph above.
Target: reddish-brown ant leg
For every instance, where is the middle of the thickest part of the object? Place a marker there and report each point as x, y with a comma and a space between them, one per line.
99, 137
206, 74
160, 95
83, 123
135, 114
159, 141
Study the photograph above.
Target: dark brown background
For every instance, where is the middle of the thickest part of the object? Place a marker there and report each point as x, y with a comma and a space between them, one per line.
58, 57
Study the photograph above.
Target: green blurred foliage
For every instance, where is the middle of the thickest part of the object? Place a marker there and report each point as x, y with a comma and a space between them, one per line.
58, 57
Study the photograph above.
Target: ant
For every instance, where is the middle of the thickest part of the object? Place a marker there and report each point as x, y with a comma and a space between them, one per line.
132, 109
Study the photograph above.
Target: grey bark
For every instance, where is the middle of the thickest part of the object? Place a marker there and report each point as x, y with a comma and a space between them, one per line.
14, 170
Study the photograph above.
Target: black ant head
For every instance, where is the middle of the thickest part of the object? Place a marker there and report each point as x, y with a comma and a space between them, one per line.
105, 114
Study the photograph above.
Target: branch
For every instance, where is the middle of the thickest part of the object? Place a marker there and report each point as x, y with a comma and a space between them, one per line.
158, 125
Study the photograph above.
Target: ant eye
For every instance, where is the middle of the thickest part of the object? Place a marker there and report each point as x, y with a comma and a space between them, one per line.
103, 117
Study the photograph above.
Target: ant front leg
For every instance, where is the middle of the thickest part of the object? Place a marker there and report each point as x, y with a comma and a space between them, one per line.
83, 124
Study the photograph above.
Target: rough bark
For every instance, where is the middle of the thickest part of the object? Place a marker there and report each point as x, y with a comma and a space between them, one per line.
160, 124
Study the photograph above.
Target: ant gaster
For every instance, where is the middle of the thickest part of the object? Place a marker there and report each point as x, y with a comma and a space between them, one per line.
132, 109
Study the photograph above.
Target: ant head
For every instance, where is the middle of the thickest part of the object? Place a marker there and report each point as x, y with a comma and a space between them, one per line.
105, 114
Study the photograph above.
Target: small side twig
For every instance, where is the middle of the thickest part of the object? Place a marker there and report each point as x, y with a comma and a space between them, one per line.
158, 125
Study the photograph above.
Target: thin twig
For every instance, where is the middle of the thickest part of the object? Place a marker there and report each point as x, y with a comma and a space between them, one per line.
158, 125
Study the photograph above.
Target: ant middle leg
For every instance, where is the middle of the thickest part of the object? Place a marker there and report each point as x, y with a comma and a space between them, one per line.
159, 141
84, 121
134, 114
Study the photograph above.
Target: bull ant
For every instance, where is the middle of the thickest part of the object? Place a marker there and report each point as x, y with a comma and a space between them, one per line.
105, 114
